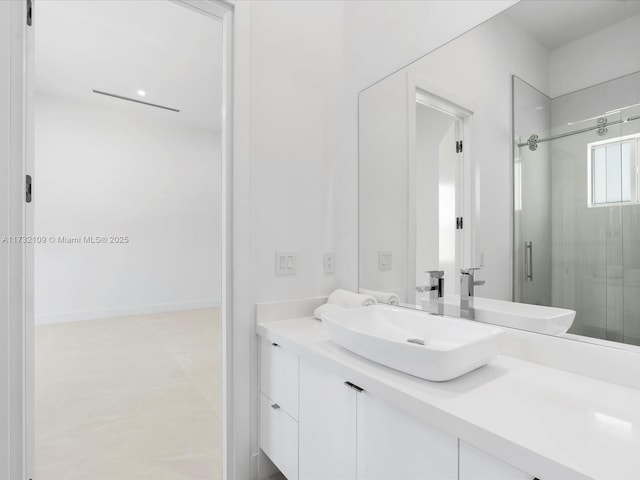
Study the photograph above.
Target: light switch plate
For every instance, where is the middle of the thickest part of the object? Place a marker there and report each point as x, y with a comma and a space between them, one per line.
285, 263
384, 260
329, 263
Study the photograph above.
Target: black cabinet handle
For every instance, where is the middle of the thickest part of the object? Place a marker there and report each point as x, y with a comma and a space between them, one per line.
354, 387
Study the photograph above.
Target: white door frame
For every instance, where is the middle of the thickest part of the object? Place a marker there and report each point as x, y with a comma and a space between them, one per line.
21, 292
420, 91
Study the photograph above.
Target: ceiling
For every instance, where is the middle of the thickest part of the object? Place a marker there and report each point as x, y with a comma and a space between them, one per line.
172, 53
557, 22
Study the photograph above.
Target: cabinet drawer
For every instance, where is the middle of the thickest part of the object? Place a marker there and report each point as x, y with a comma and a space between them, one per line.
279, 437
279, 376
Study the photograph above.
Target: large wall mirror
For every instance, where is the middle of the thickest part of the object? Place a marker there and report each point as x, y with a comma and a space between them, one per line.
514, 149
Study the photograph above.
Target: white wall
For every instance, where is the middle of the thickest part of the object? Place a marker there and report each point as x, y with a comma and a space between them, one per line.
106, 167
384, 177
601, 56
296, 128
595, 101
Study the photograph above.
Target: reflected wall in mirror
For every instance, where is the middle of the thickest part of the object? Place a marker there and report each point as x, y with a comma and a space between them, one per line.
550, 222
406, 199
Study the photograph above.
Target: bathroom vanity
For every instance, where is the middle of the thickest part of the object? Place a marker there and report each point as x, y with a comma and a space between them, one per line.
326, 413
509, 148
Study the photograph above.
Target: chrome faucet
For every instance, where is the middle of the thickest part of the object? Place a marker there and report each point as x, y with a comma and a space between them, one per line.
436, 291
467, 284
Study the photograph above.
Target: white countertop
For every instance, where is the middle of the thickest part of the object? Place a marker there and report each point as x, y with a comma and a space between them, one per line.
544, 421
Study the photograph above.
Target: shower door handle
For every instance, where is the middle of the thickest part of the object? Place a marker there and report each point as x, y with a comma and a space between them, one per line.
528, 261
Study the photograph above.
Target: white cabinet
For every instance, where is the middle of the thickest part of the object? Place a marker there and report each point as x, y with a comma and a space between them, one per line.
393, 444
327, 426
349, 435
279, 376
478, 465
279, 437
315, 425
279, 407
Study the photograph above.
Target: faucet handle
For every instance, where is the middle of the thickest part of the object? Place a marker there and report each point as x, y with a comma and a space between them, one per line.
468, 271
435, 273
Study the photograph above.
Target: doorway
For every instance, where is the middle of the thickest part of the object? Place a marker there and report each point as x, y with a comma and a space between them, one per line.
128, 199
437, 180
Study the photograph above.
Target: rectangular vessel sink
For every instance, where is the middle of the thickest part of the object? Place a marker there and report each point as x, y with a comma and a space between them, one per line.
428, 346
533, 318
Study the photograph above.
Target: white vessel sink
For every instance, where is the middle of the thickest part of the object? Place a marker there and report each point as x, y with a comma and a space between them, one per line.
428, 346
533, 318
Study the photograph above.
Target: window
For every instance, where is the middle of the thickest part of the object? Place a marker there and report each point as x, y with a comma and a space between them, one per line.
613, 172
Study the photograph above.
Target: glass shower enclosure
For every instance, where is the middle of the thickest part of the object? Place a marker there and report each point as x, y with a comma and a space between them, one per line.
577, 207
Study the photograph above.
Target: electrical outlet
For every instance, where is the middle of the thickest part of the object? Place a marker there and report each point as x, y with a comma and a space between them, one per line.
329, 263
285, 263
384, 260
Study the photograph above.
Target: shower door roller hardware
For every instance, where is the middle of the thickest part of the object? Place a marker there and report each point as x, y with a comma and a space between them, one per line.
29, 12
27, 189
459, 146
354, 387
528, 261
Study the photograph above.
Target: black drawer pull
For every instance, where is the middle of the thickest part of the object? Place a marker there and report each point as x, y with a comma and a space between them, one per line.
354, 387
275, 406
275, 345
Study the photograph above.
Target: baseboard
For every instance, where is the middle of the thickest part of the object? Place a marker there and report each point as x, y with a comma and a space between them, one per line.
46, 318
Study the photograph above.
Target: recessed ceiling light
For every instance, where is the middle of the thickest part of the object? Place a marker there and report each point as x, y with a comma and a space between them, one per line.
142, 93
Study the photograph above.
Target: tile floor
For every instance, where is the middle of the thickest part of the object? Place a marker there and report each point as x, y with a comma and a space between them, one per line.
129, 398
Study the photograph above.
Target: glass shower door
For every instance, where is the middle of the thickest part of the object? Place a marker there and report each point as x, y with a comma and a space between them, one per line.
532, 196
577, 213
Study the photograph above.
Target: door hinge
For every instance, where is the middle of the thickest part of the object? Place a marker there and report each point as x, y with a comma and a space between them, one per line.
459, 223
29, 12
459, 146
354, 387
27, 189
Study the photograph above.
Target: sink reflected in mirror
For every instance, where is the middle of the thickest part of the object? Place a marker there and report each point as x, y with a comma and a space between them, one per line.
533, 318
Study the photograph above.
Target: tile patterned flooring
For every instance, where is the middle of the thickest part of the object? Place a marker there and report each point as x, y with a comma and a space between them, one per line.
130, 398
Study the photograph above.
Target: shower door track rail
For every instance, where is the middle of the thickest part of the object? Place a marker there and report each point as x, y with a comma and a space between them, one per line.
533, 140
